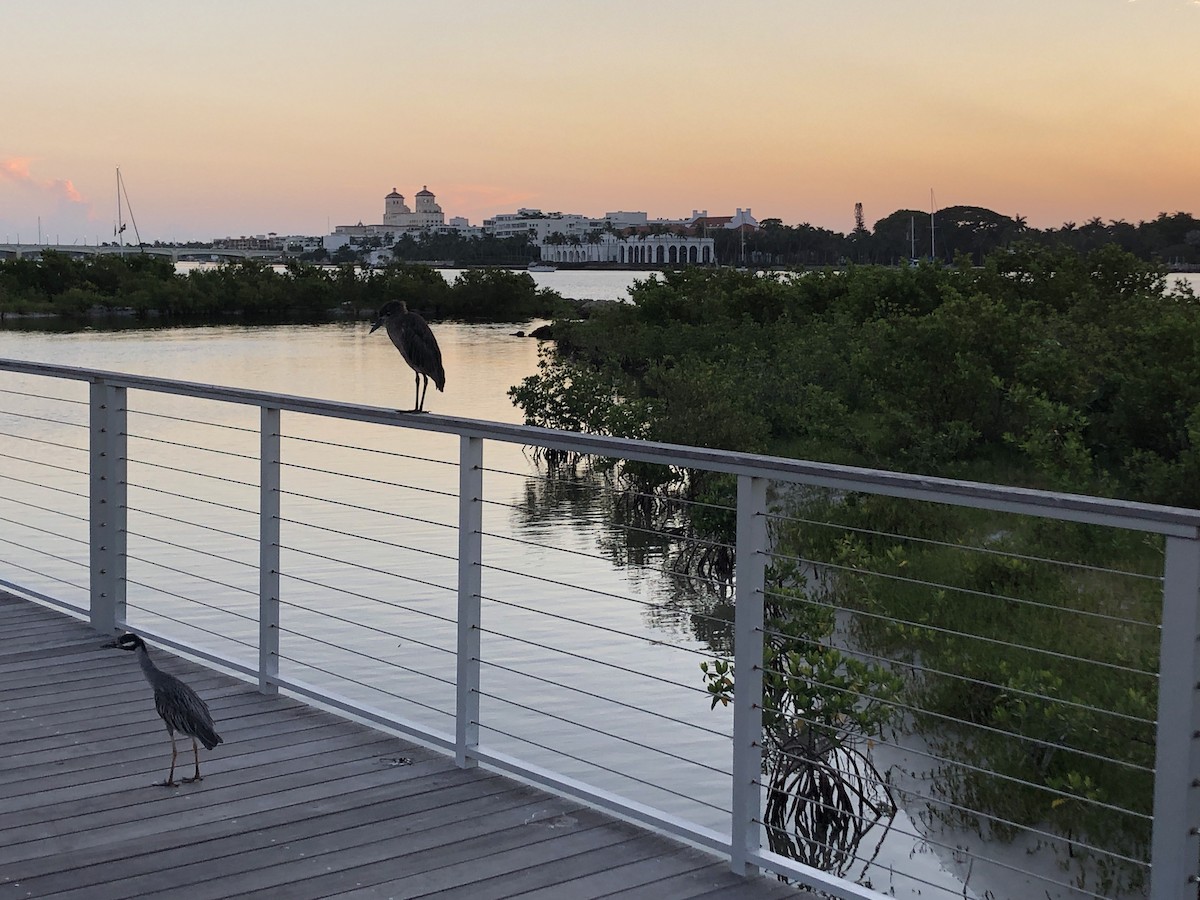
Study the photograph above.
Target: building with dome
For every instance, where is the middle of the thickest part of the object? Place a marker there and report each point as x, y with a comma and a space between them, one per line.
426, 217
398, 219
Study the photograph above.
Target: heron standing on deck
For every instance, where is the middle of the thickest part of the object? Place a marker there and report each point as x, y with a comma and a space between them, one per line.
416, 344
180, 707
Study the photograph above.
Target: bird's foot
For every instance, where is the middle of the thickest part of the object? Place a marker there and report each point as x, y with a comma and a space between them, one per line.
415, 410
191, 780
167, 783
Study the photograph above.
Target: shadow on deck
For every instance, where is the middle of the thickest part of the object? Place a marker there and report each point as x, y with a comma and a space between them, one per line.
296, 803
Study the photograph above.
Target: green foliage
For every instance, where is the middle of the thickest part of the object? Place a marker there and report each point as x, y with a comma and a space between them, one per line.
1043, 367
816, 698
1078, 371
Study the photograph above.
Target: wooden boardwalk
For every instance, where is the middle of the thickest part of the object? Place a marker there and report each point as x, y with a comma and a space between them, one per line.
296, 803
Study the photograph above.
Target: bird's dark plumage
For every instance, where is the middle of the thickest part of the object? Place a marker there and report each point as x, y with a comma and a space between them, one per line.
180, 707
416, 344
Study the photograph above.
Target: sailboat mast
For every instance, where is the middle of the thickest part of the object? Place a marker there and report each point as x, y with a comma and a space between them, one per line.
120, 223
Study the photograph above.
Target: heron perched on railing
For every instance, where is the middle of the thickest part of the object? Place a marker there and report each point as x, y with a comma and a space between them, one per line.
180, 707
416, 343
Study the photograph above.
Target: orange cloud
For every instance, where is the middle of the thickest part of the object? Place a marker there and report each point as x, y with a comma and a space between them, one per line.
16, 170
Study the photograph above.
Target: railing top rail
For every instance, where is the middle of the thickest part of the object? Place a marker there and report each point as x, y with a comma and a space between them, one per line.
1168, 520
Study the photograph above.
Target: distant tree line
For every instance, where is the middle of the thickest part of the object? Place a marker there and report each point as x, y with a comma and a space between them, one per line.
969, 231
145, 286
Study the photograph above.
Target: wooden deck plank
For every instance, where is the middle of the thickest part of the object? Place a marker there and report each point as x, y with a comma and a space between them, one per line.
194, 862
296, 803
710, 877
142, 854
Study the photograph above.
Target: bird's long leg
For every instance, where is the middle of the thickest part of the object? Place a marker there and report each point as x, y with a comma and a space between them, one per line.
417, 395
170, 782
424, 391
196, 755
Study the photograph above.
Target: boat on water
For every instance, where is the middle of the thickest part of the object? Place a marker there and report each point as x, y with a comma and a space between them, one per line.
541, 267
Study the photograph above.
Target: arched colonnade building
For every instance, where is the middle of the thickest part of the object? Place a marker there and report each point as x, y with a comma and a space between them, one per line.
641, 249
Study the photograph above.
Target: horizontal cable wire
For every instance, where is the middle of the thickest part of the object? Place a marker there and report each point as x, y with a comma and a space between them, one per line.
371, 509
172, 418
596, 765
930, 799
250, 457
668, 498
716, 582
361, 596
950, 761
589, 659
12, 565
16, 393
217, 634
48, 487
893, 828
357, 624
178, 521
225, 479
978, 726
362, 568
207, 553
987, 640
221, 609
654, 642
45, 509
341, 676
888, 661
178, 496
45, 465
369, 480
606, 699
233, 587
599, 593
964, 590
893, 871
373, 450
374, 540
66, 559
359, 653
967, 547
43, 441
681, 538
30, 417
608, 734
47, 531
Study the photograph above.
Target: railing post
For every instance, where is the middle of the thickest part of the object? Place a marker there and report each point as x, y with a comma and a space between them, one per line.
471, 557
107, 510
1175, 844
470, 583
268, 551
749, 586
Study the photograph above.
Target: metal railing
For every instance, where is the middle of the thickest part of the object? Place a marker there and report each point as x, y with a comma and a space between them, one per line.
279, 536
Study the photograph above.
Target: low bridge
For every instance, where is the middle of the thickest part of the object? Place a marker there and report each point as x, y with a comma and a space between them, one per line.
174, 251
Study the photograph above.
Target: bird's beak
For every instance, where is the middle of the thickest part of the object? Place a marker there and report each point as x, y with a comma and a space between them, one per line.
378, 322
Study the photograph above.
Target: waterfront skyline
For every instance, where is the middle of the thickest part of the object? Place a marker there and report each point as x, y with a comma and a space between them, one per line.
230, 118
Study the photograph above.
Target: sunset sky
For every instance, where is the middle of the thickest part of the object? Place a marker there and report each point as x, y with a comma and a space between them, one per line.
233, 117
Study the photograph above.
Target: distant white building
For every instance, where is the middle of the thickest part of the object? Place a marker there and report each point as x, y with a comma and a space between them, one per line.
637, 249
537, 226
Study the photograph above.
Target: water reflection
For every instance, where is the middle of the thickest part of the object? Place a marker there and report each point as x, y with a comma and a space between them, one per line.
649, 537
